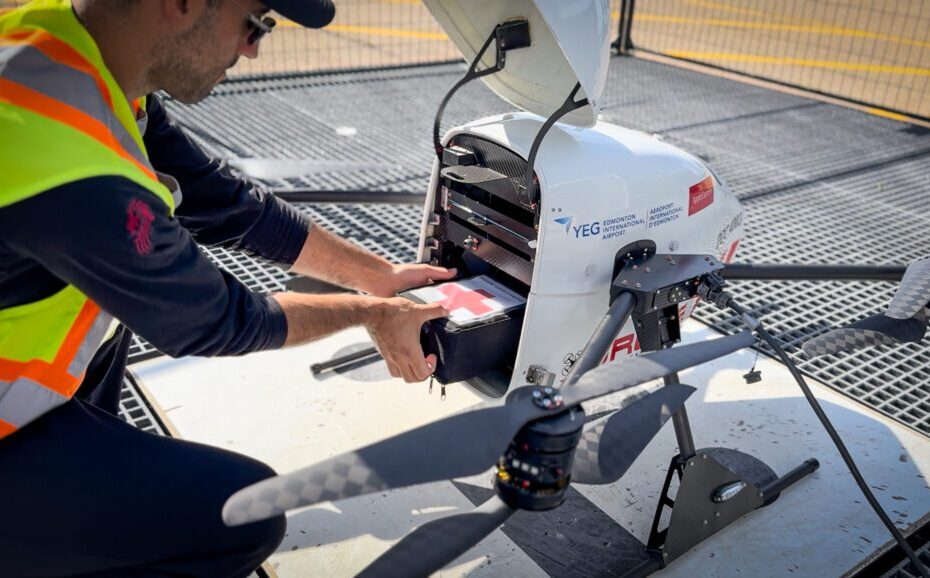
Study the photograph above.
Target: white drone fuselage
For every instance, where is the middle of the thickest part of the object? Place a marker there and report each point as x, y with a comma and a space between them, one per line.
600, 189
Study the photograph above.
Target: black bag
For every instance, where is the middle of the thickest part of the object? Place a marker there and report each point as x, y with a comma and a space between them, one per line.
465, 351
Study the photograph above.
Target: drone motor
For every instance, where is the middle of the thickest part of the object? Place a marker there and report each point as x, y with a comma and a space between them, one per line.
534, 472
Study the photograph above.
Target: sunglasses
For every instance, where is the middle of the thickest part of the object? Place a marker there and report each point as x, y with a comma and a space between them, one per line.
257, 27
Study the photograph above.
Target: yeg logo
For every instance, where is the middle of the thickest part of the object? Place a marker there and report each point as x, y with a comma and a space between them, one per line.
591, 229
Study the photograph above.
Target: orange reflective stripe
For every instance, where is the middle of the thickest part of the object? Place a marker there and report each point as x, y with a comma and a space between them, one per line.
55, 375
61, 53
76, 335
51, 376
24, 97
6, 428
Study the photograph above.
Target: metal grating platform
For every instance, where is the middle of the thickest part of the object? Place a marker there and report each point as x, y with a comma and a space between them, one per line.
905, 569
820, 184
133, 408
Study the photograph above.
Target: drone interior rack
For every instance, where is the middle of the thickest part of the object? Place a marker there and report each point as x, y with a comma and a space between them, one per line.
481, 224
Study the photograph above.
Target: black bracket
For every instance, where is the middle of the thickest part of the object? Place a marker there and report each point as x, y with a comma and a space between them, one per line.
717, 487
509, 35
660, 283
529, 182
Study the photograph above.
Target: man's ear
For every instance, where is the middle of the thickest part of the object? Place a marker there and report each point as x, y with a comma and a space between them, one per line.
180, 15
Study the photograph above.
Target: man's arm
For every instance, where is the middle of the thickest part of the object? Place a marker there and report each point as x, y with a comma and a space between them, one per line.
331, 258
115, 242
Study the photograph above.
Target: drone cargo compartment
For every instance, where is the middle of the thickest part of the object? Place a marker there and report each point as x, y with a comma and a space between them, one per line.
482, 331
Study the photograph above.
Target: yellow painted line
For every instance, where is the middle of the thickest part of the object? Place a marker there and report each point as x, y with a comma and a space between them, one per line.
727, 8
888, 114
374, 31
387, 32
728, 56
813, 29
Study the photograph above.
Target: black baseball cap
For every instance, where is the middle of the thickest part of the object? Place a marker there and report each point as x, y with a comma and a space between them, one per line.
309, 13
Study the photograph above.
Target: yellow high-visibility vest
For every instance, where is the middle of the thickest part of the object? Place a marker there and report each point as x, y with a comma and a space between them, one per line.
63, 118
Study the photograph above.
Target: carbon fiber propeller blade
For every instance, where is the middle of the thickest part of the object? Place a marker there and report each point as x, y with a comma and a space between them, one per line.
633, 371
913, 295
875, 330
461, 445
609, 447
905, 320
267, 168
434, 544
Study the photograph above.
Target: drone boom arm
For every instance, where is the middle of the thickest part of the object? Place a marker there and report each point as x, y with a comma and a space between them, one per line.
765, 272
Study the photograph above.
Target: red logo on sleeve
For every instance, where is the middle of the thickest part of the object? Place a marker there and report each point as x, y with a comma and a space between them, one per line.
700, 196
139, 219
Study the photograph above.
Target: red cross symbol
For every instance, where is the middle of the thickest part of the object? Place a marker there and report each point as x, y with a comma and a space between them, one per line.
472, 300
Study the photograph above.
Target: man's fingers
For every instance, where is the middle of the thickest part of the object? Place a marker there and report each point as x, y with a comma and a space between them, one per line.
440, 273
433, 311
414, 373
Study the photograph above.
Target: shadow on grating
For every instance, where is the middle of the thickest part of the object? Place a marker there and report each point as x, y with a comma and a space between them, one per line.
820, 184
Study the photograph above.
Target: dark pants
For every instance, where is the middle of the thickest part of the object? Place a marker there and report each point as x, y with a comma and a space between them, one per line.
83, 493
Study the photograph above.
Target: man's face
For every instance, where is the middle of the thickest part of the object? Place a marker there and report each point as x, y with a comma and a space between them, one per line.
191, 63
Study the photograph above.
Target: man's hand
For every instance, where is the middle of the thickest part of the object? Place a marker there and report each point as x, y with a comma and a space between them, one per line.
393, 323
395, 329
403, 277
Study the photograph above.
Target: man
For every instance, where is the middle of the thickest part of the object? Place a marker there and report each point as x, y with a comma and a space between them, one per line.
101, 201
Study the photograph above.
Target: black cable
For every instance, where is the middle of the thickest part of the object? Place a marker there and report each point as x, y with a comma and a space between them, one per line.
722, 299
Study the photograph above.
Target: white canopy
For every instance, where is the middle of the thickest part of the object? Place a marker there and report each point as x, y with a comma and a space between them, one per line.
570, 43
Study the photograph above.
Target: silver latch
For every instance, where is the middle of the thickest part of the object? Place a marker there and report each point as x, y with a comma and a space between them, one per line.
470, 243
537, 375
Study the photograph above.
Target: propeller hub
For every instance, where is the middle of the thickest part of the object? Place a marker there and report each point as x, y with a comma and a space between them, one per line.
547, 398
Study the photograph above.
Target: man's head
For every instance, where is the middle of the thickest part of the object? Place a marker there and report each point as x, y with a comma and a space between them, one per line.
184, 47
190, 62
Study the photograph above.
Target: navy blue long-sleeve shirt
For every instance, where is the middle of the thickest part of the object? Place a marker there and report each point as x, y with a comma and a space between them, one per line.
117, 243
